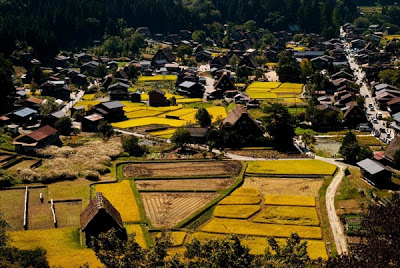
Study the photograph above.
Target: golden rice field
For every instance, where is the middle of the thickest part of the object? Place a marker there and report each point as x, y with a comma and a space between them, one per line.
165, 134
87, 103
177, 238
290, 200
62, 246
121, 197
243, 227
88, 96
240, 200
246, 191
291, 215
236, 211
137, 230
291, 167
137, 122
142, 113
192, 100
257, 244
274, 90
157, 78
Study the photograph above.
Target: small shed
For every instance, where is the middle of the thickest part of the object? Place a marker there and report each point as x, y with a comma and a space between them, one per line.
374, 171
100, 216
157, 98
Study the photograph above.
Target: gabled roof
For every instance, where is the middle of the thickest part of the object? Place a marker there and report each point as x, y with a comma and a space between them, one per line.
392, 148
118, 84
168, 54
187, 84
159, 91
59, 114
24, 112
237, 113
371, 166
96, 205
42, 133
112, 104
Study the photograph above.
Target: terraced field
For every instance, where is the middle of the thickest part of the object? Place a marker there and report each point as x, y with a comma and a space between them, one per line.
168, 209
181, 169
184, 184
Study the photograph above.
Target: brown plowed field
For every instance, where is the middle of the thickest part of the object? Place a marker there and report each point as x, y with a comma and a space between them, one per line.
168, 209
184, 169
281, 186
184, 184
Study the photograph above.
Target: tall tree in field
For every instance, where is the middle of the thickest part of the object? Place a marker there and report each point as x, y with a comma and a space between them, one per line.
6, 85
203, 117
350, 148
181, 137
279, 123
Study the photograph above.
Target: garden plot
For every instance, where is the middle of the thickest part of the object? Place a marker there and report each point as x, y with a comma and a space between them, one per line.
168, 209
184, 184
68, 213
291, 168
121, 197
181, 169
12, 204
282, 186
62, 245
327, 147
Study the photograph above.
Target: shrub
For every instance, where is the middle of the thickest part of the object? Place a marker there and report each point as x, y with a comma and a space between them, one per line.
92, 175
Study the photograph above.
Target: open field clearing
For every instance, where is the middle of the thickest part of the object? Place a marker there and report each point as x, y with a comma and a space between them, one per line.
137, 230
306, 216
291, 167
68, 214
177, 238
12, 205
370, 9
192, 100
243, 227
62, 246
87, 103
236, 211
182, 169
184, 184
290, 200
283, 186
121, 197
144, 121
168, 209
157, 78
240, 200
246, 191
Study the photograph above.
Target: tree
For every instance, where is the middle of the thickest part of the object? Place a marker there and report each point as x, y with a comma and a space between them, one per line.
203, 117
180, 137
48, 106
396, 159
365, 152
100, 71
130, 144
6, 84
64, 125
183, 51
306, 69
279, 123
350, 148
199, 36
105, 129
234, 60
288, 69
37, 74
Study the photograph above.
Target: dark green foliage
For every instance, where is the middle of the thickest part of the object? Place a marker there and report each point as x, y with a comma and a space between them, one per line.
105, 129
6, 140
181, 136
203, 117
350, 148
6, 84
279, 123
48, 106
396, 159
37, 74
100, 71
288, 69
130, 144
64, 125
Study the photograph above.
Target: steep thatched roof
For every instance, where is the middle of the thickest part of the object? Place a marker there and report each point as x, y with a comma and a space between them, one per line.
96, 205
392, 148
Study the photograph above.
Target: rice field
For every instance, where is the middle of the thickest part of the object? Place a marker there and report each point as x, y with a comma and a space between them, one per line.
87, 103
274, 90
291, 168
236, 211
144, 121
246, 191
142, 113
121, 197
290, 200
192, 100
157, 78
243, 227
177, 238
291, 215
62, 246
88, 97
165, 134
137, 230
240, 200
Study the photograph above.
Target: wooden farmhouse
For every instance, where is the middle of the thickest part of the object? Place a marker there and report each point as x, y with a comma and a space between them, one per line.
157, 98
243, 123
39, 138
100, 216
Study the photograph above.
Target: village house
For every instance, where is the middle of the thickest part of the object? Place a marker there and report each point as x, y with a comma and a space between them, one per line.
31, 102
112, 111
162, 57
243, 123
353, 115
374, 171
56, 89
90, 123
198, 135
191, 89
157, 98
82, 58
38, 139
119, 91
100, 216
89, 67
23, 116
